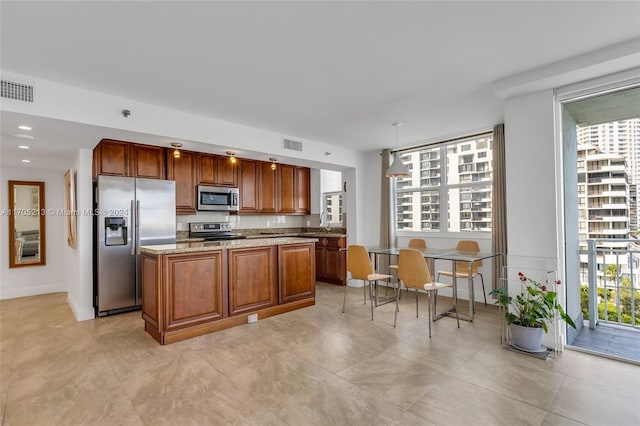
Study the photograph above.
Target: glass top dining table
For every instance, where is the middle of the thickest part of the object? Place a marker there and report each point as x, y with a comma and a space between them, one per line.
450, 254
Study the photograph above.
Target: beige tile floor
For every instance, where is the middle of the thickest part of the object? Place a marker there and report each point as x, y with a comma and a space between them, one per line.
314, 366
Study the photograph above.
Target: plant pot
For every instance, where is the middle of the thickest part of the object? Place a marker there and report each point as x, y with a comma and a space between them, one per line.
528, 338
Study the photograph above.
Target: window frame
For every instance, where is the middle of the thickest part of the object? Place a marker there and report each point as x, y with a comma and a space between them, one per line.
444, 188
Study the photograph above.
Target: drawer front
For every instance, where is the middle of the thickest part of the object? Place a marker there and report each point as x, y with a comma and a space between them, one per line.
332, 242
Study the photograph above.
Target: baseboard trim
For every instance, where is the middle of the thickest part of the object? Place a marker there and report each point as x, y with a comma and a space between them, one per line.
14, 293
81, 314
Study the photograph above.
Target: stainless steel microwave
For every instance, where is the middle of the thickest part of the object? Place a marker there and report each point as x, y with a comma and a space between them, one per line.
217, 198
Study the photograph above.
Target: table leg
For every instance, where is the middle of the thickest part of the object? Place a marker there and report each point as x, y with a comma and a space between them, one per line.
456, 308
379, 301
472, 296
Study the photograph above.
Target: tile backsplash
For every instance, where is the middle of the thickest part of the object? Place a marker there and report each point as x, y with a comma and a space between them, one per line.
245, 222
251, 221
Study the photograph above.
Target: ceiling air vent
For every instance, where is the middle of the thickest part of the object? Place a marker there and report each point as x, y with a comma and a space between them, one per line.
292, 145
17, 91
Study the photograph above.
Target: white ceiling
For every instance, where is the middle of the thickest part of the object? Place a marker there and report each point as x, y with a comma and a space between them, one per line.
335, 72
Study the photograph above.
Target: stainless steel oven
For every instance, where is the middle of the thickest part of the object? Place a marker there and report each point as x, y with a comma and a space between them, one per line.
217, 198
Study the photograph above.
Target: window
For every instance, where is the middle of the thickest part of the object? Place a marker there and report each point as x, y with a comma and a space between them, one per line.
333, 207
456, 176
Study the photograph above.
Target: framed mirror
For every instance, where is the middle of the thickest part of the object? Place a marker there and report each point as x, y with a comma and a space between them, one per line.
26, 224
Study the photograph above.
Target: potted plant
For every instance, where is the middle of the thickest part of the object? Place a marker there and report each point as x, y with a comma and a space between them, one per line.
533, 309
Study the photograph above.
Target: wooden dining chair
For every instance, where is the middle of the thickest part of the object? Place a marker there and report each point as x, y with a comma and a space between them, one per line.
359, 265
416, 243
414, 273
462, 268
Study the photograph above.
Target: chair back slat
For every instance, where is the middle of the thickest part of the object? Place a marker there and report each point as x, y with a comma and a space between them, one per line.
417, 243
358, 262
468, 245
412, 269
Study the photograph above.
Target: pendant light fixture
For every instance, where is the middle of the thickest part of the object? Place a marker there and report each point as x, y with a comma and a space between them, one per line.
273, 163
397, 168
176, 151
232, 156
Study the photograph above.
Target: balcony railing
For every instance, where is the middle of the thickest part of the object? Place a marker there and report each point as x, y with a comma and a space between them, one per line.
613, 276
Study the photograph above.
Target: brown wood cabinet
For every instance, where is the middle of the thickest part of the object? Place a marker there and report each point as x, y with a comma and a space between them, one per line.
296, 272
331, 262
152, 294
207, 169
119, 158
111, 158
193, 287
227, 171
252, 279
267, 188
217, 170
302, 194
248, 186
294, 186
287, 188
190, 293
183, 171
148, 161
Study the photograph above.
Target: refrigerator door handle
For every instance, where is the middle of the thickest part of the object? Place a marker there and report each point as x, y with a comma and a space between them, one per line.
137, 226
134, 225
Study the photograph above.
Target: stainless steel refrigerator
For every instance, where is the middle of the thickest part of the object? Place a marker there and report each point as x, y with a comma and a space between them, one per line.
130, 212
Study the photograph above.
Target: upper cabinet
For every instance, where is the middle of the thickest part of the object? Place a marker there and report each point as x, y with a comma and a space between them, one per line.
227, 171
183, 171
263, 189
267, 188
248, 186
294, 190
148, 161
111, 158
118, 158
217, 170
287, 188
302, 192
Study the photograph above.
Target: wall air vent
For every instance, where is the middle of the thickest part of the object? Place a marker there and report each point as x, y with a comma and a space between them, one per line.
17, 91
292, 145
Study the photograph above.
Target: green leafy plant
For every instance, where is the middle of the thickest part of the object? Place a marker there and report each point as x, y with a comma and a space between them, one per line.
536, 306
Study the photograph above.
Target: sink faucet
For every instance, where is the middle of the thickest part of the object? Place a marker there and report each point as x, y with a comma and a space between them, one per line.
324, 220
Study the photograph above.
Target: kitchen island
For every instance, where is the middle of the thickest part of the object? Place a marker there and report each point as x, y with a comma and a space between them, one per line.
195, 288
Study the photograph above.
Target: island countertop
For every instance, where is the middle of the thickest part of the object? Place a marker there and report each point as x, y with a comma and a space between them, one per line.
194, 247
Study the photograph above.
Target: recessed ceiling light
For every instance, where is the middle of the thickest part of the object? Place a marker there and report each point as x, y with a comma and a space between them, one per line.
22, 136
23, 127
26, 161
25, 147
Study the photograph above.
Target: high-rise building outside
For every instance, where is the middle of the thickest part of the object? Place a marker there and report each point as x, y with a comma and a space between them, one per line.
603, 207
619, 137
449, 188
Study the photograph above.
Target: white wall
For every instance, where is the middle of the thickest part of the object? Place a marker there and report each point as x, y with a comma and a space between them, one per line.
32, 280
363, 191
330, 181
533, 235
531, 180
78, 261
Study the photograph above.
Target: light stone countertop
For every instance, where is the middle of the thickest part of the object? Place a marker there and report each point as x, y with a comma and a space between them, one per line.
195, 247
297, 234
